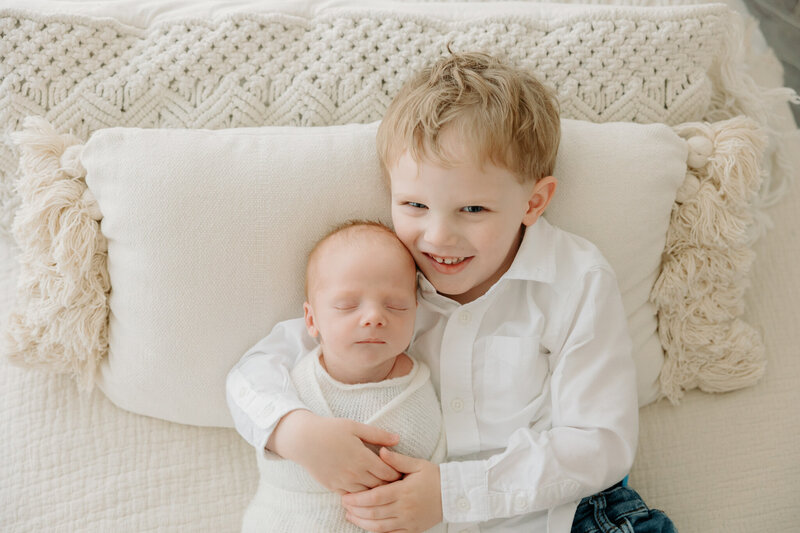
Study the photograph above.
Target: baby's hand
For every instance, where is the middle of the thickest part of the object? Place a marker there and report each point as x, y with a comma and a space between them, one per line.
333, 450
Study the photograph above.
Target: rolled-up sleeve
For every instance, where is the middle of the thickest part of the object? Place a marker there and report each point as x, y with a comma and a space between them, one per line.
259, 389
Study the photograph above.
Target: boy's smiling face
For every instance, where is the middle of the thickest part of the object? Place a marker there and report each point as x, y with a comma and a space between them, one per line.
463, 225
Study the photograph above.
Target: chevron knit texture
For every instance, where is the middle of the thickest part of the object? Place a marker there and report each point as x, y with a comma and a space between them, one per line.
607, 63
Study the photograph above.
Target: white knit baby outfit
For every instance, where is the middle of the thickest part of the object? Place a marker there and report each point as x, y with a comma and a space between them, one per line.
288, 499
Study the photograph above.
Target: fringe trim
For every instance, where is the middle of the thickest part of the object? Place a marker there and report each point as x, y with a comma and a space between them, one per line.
700, 290
60, 322
737, 93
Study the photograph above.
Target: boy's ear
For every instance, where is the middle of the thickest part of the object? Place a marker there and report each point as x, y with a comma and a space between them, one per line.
542, 193
308, 315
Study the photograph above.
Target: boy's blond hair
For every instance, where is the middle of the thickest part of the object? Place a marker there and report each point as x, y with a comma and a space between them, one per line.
502, 114
349, 228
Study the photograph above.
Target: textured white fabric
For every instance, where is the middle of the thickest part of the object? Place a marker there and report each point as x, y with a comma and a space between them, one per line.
288, 499
535, 377
333, 64
85, 465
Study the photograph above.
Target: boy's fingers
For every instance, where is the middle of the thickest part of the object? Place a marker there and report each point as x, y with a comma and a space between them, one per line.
355, 488
386, 476
398, 461
377, 512
383, 471
373, 525
376, 436
382, 495
370, 481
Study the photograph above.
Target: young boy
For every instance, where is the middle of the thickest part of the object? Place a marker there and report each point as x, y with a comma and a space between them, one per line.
521, 323
361, 303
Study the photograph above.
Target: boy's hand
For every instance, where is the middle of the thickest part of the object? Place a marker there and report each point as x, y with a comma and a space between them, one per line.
412, 504
333, 450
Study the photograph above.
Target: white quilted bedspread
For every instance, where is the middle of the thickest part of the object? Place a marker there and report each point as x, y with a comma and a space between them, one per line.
82, 464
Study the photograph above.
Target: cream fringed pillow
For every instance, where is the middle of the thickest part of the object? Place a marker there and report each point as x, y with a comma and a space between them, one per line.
208, 231
700, 292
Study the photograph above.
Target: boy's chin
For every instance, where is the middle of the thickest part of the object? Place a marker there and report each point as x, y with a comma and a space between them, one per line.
448, 285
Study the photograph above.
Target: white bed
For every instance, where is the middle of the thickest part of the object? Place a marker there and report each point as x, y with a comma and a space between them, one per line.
714, 463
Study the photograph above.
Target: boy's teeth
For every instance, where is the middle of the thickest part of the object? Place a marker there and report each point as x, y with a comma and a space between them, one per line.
448, 260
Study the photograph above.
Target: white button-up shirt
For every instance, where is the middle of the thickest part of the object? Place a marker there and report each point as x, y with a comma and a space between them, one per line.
535, 377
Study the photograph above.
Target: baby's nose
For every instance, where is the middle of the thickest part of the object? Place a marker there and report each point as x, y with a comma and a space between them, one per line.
373, 316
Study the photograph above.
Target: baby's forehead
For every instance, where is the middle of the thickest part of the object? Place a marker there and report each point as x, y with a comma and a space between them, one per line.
366, 240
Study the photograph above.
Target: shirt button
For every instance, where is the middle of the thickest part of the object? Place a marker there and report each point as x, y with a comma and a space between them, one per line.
463, 504
520, 502
464, 317
242, 392
457, 404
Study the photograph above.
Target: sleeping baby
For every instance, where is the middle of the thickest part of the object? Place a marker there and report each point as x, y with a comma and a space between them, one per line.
360, 307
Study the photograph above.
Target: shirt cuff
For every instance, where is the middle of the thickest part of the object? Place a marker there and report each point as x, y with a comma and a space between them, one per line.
275, 411
465, 491
262, 411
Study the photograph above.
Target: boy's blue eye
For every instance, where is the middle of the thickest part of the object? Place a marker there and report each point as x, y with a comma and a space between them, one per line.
473, 208
416, 205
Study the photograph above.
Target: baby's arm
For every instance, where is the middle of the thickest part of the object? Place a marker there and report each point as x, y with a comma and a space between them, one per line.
268, 413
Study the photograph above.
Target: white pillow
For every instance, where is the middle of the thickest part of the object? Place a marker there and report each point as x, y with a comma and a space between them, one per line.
208, 233
616, 187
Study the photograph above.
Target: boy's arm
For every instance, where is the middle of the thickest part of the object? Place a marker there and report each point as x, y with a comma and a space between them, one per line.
590, 446
259, 389
268, 414
594, 412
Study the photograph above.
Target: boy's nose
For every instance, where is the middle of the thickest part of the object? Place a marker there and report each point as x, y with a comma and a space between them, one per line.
439, 233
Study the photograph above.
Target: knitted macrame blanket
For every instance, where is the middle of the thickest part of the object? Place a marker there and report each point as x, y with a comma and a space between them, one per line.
340, 65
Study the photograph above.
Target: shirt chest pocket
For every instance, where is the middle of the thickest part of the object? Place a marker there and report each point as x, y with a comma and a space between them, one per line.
514, 374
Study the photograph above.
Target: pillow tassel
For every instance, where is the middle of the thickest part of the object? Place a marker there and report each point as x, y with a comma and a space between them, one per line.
59, 323
700, 290
738, 94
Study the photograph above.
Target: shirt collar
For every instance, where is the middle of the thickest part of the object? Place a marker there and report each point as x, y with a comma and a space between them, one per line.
534, 261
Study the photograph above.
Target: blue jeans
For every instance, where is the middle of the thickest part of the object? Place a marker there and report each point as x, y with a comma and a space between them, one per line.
619, 509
